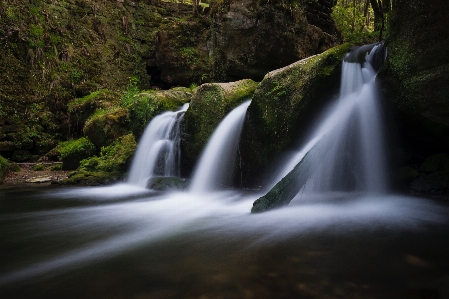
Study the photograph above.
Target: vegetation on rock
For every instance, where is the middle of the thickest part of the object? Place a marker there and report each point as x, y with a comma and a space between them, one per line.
111, 165
73, 151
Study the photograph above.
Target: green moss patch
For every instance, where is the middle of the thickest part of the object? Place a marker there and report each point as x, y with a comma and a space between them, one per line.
111, 165
4, 168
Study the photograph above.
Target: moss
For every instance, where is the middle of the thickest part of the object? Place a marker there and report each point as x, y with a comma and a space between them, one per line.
4, 168
81, 109
73, 151
111, 165
39, 167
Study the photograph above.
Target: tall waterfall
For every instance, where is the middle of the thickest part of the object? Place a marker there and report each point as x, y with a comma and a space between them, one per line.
216, 166
158, 152
346, 150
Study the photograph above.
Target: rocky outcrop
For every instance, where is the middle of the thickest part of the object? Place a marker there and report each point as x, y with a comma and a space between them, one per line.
283, 105
416, 74
211, 103
243, 39
414, 83
254, 38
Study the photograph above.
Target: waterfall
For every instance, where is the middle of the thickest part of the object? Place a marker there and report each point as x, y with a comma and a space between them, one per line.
216, 166
158, 152
346, 150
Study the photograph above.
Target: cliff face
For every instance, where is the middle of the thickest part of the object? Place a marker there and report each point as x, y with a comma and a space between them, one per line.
244, 39
54, 51
415, 83
416, 73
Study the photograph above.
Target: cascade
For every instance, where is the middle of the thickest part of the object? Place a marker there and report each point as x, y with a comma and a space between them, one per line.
158, 152
346, 150
216, 165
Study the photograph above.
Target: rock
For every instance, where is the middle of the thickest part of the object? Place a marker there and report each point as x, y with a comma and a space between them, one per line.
21, 156
167, 183
416, 73
74, 151
285, 190
434, 183
253, 37
435, 163
242, 39
211, 103
39, 179
284, 104
103, 129
81, 109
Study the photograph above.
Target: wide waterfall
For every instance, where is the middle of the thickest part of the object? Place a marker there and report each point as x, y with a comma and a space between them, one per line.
159, 151
216, 166
346, 150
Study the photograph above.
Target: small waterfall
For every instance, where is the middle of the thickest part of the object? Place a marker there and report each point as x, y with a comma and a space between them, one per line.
346, 150
158, 152
216, 166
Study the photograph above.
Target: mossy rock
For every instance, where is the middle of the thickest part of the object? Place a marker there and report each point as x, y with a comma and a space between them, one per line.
73, 151
147, 105
110, 166
80, 109
433, 183
167, 183
415, 75
435, 163
283, 106
104, 129
211, 103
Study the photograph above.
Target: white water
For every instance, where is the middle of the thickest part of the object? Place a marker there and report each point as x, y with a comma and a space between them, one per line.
216, 166
158, 151
346, 150
119, 224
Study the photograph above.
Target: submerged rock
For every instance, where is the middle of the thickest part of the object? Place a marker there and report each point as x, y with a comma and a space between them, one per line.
211, 103
283, 106
285, 190
167, 183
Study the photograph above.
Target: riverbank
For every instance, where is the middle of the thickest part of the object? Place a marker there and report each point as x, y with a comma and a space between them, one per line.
27, 175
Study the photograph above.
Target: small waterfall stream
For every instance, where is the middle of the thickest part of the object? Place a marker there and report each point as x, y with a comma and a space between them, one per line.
216, 166
158, 152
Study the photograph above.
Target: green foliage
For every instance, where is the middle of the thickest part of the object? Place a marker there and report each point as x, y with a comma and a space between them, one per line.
4, 168
56, 167
75, 146
355, 26
131, 91
109, 166
39, 167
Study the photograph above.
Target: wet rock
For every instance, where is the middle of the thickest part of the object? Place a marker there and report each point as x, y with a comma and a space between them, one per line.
434, 183
39, 179
416, 73
167, 183
282, 108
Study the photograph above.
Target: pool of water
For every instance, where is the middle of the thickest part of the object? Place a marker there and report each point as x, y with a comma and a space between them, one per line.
127, 242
